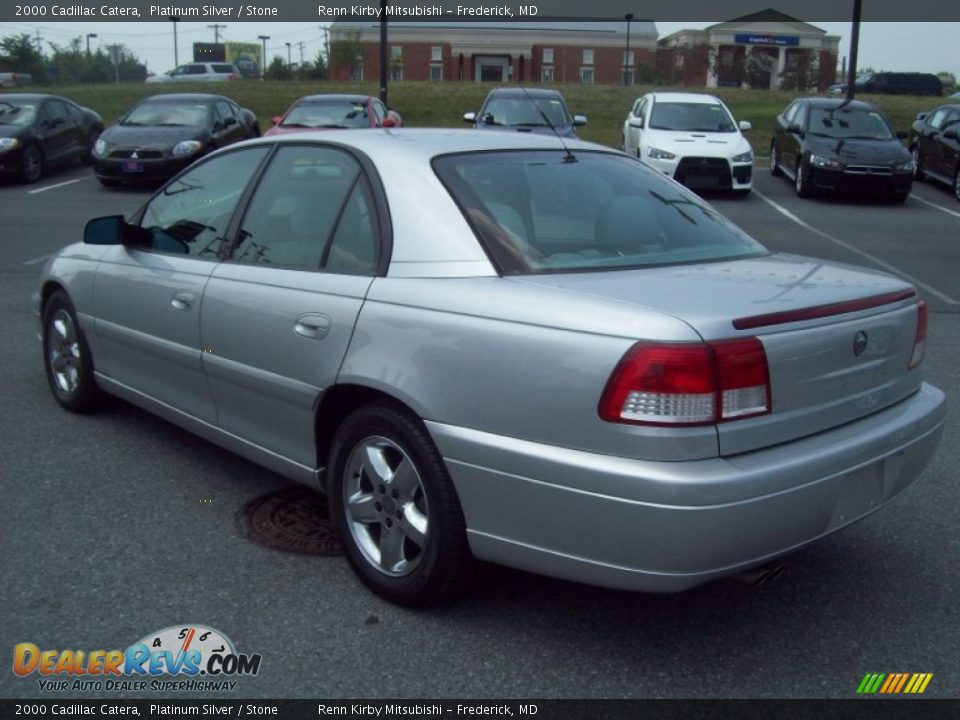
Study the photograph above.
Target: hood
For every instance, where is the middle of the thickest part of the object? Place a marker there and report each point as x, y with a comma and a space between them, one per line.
856, 152
14, 131
709, 296
701, 144
150, 137
280, 130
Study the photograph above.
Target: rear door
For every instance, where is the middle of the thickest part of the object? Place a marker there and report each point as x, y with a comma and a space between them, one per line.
61, 132
278, 316
147, 297
949, 147
231, 128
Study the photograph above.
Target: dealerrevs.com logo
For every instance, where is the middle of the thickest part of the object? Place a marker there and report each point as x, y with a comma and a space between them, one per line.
184, 657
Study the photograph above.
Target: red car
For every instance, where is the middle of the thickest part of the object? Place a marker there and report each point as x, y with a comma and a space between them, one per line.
316, 112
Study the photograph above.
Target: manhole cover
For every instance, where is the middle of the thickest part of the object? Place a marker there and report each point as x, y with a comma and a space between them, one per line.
294, 519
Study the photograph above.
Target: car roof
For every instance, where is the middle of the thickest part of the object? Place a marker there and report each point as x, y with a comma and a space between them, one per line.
423, 144
33, 96
703, 98
832, 103
189, 97
525, 92
335, 97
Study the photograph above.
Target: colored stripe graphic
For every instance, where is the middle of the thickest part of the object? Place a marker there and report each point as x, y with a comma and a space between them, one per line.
894, 683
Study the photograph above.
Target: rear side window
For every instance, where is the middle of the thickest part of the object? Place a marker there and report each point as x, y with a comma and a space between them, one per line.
541, 211
224, 69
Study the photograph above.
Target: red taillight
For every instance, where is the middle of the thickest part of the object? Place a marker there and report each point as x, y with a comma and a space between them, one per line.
688, 384
920, 339
233, 76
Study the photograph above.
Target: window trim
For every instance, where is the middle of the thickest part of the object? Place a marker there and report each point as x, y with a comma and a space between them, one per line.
436, 53
591, 61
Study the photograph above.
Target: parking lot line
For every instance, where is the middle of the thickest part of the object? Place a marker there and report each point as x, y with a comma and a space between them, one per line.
54, 187
872, 258
38, 260
938, 207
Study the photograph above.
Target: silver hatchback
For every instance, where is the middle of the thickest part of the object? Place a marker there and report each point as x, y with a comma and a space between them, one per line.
496, 346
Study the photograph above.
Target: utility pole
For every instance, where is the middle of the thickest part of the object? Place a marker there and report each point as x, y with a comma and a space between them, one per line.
384, 50
216, 32
301, 52
90, 35
326, 42
854, 46
176, 59
115, 56
626, 54
289, 61
39, 45
263, 59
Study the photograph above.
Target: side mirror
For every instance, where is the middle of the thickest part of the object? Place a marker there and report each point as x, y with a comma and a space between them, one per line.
389, 122
921, 116
470, 117
635, 122
579, 119
952, 134
746, 125
104, 230
229, 121
901, 135
275, 120
795, 129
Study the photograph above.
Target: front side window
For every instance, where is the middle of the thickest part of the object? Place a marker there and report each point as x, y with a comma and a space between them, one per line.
696, 117
190, 215
936, 119
306, 196
196, 70
539, 212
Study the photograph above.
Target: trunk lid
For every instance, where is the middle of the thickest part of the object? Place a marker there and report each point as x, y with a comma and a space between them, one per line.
838, 339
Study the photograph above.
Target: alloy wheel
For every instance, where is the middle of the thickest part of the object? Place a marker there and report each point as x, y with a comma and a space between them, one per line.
64, 352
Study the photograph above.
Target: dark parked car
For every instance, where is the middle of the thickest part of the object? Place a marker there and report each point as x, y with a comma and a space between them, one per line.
526, 110
829, 144
37, 131
935, 144
165, 133
326, 112
888, 83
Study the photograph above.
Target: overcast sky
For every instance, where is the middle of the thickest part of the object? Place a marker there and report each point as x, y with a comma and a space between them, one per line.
912, 46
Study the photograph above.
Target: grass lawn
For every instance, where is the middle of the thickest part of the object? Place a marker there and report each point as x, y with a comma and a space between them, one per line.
425, 104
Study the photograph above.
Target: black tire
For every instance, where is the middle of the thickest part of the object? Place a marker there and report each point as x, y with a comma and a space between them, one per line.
109, 182
775, 160
956, 183
255, 132
801, 184
918, 174
416, 518
899, 198
66, 356
31, 163
741, 194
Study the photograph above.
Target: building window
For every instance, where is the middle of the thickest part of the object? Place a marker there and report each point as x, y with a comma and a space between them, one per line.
396, 52
548, 56
588, 57
436, 73
436, 54
628, 58
586, 76
396, 73
546, 75
357, 74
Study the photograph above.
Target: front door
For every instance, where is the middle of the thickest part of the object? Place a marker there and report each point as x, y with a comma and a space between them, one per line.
491, 68
147, 297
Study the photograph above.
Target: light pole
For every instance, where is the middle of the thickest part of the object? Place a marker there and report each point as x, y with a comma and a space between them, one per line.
383, 51
326, 42
176, 55
263, 58
289, 62
90, 35
626, 54
854, 46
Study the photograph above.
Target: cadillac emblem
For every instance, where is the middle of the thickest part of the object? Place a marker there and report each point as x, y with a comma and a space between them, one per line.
859, 343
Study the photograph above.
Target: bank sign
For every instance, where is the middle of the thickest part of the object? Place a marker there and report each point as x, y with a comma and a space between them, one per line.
746, 39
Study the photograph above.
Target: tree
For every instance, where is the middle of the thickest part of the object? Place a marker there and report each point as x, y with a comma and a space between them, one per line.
320, 69
278, 70
347, 53
18, 54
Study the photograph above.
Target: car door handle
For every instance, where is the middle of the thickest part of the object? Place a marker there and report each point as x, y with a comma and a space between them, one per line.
314, 326
182, 300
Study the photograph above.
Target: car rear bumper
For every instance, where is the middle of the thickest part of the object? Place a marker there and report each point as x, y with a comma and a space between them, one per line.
664, 527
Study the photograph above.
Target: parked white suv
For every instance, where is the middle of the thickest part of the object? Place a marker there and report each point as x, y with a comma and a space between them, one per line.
692, 138
198, 72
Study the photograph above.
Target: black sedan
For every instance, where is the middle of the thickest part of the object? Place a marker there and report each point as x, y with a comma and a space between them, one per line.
935, 144
832, 144
165, 133
535, 110
38, 131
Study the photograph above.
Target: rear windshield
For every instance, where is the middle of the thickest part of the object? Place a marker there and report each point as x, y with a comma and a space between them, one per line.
328, 114
856, 123
546, 211
694, 117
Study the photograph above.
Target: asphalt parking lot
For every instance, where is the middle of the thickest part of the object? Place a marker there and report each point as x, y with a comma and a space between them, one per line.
117, 525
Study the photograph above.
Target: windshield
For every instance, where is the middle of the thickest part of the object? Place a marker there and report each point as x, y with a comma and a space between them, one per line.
328, 114
544, 211
528, 112
694, 117
16, 113
174, 114
849, 123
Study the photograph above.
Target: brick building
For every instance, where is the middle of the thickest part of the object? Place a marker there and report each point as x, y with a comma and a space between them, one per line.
586, 52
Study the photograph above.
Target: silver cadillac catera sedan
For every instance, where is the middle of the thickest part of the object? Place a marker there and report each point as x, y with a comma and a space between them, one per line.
499, 347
